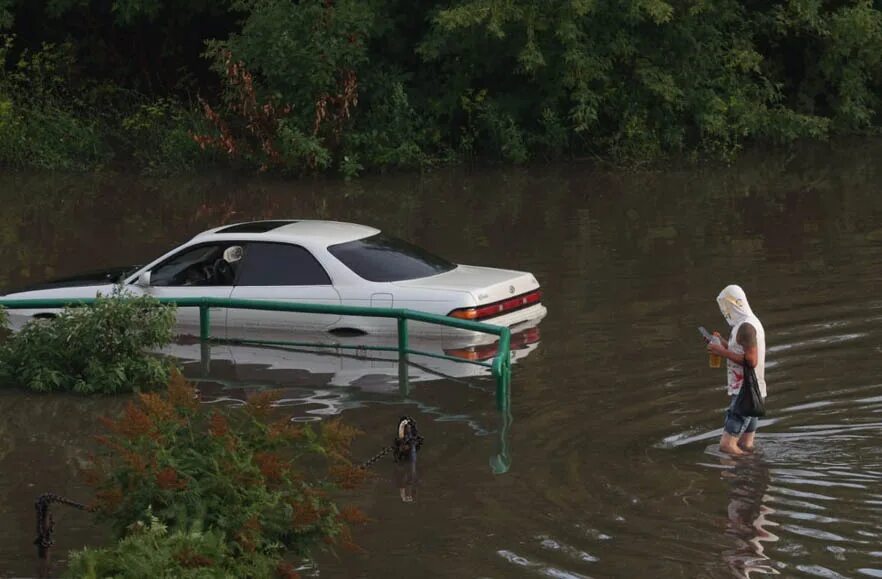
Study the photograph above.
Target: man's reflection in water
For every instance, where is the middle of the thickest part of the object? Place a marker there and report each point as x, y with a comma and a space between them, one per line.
748, 516
406, 480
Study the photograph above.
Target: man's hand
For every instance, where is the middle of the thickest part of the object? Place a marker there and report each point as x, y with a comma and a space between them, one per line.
746, 339
717, 349
723, 340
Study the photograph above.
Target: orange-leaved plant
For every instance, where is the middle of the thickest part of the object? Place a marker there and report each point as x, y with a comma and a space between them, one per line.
258, 480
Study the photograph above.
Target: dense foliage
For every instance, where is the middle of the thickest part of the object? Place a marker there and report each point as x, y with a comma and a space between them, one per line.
151, 550
96, 349
344, 85
192, 491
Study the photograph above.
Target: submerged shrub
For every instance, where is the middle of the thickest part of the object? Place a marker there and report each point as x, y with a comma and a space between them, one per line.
96, 349
151, 550
237, 489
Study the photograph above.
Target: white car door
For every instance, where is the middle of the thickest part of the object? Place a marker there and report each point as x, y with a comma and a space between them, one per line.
280, 272
195, 272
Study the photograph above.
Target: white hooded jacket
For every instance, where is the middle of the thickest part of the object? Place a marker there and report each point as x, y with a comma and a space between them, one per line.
734, 307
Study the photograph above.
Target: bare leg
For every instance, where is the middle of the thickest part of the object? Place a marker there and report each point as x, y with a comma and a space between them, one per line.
746, 441
729, 444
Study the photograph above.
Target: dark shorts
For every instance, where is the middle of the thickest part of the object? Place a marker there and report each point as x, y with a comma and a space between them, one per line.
735, 424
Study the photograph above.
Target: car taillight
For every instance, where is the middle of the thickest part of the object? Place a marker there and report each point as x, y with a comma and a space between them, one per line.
498, 308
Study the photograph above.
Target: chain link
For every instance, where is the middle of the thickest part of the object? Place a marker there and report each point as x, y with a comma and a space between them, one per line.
369, 462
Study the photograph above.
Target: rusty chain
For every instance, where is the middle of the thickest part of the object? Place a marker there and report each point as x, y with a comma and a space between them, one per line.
45, 522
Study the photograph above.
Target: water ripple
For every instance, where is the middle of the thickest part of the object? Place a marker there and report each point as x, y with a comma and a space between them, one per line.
568, 550
817, 534
819, 571
822, 341
540, 568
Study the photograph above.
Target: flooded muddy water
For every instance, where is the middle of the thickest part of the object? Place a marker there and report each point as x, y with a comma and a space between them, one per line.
615, 414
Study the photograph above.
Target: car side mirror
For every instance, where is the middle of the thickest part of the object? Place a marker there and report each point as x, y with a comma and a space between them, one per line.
143, 280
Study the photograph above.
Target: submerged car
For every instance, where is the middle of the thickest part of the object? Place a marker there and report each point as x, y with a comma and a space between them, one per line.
313, 262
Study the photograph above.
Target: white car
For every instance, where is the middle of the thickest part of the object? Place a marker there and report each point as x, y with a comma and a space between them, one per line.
313, 262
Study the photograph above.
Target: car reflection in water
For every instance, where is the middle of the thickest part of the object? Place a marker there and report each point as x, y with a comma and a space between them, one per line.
319, 361
335, 374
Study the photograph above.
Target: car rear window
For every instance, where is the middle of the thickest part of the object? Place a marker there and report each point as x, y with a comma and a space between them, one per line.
385, 258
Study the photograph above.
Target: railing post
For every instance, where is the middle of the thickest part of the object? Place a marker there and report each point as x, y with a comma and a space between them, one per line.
502, 371
501, 462
503, 386
205, 358
204, 321
403, 345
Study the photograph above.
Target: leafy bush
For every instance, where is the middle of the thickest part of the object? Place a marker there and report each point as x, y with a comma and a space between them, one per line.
259, 488
150, 550
390, 133
160, 137
38, 126
48, 138
97, 349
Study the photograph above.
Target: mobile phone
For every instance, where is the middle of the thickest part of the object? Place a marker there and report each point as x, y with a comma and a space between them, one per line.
707, 335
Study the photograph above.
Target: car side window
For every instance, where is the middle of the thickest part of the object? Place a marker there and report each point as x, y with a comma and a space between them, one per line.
204, 265
275, 264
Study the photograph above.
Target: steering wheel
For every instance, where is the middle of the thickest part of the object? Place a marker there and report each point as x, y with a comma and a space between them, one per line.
223, 272
195, 275
208, 272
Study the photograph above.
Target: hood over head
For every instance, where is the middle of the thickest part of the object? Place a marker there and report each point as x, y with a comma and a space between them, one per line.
733, 305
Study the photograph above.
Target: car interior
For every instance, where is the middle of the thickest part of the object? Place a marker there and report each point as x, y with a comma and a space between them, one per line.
206, 265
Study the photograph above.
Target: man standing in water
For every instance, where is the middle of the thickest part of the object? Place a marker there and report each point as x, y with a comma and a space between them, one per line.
747, 342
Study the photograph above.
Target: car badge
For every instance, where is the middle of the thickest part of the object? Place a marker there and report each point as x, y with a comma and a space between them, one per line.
511, 289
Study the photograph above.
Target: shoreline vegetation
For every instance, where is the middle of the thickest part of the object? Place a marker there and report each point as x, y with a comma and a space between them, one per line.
351, 86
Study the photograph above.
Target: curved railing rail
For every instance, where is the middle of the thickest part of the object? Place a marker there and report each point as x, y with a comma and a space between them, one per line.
500, 366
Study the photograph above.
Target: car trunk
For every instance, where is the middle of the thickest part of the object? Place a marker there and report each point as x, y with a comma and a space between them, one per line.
487, 285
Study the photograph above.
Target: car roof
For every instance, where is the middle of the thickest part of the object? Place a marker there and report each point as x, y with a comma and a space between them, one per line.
304, 230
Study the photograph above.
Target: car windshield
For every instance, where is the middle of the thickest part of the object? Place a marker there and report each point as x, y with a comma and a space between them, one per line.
384, 258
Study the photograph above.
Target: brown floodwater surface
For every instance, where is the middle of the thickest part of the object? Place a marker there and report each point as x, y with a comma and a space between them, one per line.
616, 415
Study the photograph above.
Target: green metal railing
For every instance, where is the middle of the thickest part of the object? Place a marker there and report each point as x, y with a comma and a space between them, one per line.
500, 366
